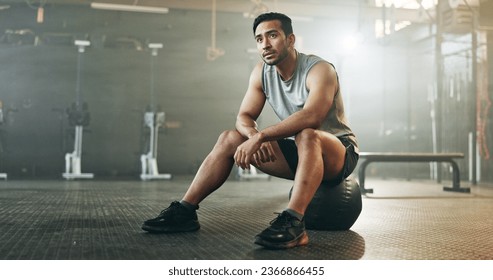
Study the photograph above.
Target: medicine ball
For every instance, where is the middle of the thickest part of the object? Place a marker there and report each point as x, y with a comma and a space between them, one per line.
334, 207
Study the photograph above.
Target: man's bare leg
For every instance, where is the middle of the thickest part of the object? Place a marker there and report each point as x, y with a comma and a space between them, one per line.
215, 169
321, 156
181, 216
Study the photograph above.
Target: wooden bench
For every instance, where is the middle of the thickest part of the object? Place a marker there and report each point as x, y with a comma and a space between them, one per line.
368, 158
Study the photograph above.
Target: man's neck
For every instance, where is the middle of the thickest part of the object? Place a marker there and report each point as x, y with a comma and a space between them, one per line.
287, 67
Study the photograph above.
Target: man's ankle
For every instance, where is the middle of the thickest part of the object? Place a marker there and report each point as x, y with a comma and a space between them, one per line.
189, 206
294, 213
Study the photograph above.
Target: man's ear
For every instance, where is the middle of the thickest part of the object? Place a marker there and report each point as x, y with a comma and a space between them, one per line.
291, 39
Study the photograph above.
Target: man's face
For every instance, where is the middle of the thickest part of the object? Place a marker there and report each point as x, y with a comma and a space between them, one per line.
272, 43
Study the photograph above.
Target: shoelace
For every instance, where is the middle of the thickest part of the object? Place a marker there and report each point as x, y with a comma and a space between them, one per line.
282, 220
171, 209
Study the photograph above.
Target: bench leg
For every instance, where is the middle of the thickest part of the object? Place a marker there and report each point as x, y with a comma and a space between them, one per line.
361, 177
456, 180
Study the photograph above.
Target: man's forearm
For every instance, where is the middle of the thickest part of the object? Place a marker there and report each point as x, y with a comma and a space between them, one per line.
295, 123
246, 126
290, 126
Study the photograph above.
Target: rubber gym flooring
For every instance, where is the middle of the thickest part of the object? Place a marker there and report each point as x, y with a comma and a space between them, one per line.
100, 220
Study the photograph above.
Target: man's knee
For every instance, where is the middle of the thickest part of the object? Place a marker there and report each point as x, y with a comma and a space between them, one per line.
308, 137
230, 139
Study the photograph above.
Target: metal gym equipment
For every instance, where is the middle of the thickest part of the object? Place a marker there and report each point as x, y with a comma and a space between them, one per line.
251, 174
79, 117
153, 120
2, 175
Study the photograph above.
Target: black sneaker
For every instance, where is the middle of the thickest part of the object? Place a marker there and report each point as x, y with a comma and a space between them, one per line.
175, 218
284, 232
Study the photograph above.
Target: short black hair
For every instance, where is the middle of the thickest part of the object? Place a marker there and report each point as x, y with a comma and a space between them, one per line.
286, 25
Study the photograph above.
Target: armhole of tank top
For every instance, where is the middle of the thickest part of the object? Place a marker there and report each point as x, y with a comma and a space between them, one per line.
263, 77
337, 79
310, 68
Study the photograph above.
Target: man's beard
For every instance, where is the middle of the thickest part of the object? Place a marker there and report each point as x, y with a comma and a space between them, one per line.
282, 55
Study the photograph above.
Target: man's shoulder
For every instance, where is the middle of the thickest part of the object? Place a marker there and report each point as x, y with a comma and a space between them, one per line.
308, 61
310, 57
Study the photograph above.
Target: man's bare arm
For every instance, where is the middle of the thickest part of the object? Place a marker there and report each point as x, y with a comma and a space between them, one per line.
252, 105
322, 84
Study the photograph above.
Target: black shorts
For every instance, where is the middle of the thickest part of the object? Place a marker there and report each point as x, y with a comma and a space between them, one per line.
290, 152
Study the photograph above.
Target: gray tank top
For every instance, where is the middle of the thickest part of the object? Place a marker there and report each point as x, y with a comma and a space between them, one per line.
288, 97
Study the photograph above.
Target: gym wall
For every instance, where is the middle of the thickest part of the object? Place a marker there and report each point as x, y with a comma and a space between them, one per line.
384, 83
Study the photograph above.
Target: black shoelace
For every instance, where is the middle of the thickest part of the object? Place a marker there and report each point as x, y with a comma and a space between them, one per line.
282, 220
